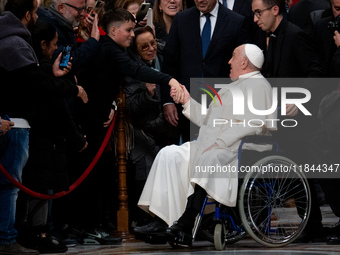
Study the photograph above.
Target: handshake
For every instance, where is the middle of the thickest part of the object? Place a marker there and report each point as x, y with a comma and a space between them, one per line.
178, 92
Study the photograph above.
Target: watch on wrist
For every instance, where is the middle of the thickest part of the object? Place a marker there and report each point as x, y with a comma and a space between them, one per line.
114, 106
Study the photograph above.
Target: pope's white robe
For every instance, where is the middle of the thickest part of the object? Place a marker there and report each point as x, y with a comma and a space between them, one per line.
177, 169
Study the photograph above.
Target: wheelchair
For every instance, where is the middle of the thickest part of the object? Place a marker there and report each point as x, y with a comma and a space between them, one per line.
273, 206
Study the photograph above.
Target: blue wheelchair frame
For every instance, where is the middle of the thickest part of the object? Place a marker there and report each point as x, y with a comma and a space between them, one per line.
220, 215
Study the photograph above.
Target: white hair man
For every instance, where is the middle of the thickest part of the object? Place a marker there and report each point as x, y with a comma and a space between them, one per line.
65, 16
175, 190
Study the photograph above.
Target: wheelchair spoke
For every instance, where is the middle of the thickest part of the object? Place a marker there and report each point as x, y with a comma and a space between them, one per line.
274, 206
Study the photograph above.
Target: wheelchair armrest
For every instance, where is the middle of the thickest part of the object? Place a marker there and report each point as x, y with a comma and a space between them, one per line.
257, 139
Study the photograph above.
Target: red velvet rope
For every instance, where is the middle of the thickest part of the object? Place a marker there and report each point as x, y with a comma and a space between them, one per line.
75, 184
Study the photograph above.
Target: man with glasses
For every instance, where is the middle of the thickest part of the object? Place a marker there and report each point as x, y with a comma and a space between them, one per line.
24, 83
65, 16
291, 53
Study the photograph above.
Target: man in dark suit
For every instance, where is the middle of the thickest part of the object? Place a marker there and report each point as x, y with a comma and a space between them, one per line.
243, 7
183, 56
291, 54
299, 13
326, 39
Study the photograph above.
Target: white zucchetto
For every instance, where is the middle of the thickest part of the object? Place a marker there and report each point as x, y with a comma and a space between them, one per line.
254, 54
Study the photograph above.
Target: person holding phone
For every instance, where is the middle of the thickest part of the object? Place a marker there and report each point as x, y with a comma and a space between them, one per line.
93, 7
24, 84
136, 8
5, 126
46, 168
65, 16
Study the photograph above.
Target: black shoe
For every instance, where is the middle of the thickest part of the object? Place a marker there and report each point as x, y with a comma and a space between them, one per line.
98, 236
333, 240
63, 235
155, 226
46, 244
311, 237
176, 235
15, 248
333, 230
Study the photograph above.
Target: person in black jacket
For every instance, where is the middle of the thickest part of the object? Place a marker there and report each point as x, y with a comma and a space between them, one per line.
299, 13
102, 79
143, 104
65, 16
46, 168
24, 83
326, 39
291, 53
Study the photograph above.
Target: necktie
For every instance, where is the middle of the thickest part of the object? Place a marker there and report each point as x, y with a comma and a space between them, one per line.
206, 33
225, 3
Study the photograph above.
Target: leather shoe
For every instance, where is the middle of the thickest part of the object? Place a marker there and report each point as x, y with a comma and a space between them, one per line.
333, 240
155, 226
176, 235
15, 248
311, 237
333, 230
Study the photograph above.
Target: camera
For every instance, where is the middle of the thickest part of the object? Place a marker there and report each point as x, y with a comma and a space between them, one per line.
334, 25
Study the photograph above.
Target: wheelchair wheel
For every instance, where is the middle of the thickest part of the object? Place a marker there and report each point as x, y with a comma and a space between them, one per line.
207, 230
274, 205
219, 236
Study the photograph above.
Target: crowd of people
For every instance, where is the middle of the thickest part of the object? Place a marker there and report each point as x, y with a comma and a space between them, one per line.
53, 119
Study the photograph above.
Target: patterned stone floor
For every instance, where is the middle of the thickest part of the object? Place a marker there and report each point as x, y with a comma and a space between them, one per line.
243, 247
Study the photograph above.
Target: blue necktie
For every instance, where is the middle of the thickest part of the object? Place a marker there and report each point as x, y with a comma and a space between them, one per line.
225, 3
206, 33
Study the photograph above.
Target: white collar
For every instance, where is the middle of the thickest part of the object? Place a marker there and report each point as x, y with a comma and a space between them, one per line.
242, 77
247, 75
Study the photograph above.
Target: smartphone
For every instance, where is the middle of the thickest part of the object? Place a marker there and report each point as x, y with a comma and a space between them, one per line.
97, 7
5, 117
65, 57
149, 19
143, 9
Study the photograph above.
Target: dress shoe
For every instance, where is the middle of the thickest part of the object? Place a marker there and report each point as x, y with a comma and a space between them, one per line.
333, 230
315, 236
176, 235
155, 226
15, 248
333, 240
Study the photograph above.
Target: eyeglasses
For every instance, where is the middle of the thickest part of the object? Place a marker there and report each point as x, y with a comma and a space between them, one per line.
258, 13
146, 47
79, 9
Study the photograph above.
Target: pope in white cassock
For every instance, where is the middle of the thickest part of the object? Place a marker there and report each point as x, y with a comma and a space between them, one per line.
177, 170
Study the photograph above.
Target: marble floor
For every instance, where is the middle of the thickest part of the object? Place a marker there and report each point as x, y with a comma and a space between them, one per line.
244, 247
